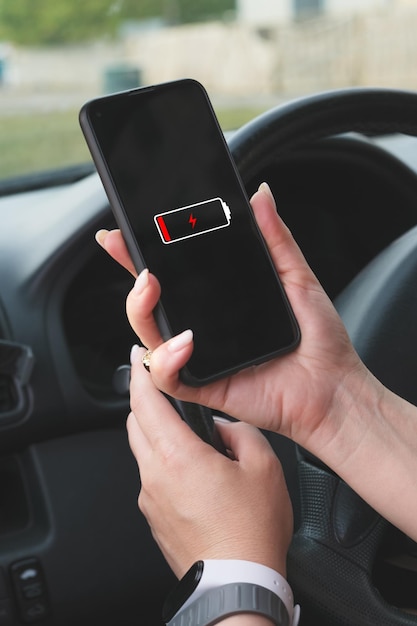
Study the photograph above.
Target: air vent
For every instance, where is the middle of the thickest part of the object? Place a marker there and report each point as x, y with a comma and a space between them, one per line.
16, 362
8, 395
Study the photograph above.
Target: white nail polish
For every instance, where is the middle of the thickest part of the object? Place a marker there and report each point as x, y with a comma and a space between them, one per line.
180, 341
266, 189
222, 420
134, 354
141, 282
101, 235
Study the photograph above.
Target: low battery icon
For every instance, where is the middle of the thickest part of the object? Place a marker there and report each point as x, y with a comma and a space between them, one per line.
192, 220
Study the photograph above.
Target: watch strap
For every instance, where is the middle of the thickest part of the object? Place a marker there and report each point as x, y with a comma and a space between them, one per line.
221, 602
219, 572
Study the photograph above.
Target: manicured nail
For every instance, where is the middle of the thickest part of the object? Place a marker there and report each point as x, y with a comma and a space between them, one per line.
266, 189
141, 282
222, 420
100, 236
180, 341
134, 354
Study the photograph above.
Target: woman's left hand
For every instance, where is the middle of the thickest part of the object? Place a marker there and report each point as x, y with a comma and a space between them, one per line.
199, 503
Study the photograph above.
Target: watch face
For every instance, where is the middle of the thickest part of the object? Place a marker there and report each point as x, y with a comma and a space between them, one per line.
182, 591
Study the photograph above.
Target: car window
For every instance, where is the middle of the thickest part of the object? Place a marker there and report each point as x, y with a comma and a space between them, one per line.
249, 54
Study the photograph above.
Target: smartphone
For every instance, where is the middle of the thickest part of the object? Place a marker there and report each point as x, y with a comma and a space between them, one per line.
178, 199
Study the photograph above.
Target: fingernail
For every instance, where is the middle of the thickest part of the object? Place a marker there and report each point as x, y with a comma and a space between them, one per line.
101, 235
141, 282
266, 189
134, 354
180, 341
222, 420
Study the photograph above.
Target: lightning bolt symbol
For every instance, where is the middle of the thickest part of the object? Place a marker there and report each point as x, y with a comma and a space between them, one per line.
192, 220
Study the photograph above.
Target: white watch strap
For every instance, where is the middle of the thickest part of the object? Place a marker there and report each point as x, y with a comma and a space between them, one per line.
220, 572
221, 602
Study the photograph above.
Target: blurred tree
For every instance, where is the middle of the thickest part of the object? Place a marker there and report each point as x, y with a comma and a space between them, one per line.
174, 11
33, 22
53, 21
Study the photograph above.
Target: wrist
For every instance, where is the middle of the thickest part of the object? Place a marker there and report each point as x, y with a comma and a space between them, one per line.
351, 414
340, 427
372, 441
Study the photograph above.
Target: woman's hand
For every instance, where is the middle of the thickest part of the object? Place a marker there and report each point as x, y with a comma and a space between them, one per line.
295, 395
321, 395
199, 503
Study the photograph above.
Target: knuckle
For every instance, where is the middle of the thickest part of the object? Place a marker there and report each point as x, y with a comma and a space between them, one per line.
143, 502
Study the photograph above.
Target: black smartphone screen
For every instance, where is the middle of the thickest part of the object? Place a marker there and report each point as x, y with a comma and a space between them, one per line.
161, 150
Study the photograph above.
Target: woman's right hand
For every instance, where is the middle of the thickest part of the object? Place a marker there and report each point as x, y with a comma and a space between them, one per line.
321, 395
295, 394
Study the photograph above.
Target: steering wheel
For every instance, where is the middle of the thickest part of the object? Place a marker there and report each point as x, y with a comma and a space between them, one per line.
335, 549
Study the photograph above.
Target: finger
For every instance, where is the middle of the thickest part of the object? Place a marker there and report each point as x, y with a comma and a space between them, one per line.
247, 443
140, 304
170, 357
285, 252
138, 443
166, 362
113, 243
159, 422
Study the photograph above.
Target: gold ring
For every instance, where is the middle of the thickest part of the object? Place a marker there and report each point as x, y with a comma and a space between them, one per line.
146, 360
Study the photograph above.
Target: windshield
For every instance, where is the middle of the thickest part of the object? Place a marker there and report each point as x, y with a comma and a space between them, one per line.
249, 54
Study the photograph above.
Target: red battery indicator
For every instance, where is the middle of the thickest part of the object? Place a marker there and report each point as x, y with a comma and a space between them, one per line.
192, 220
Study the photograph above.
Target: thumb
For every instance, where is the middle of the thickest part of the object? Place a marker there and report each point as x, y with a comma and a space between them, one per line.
247, 444
286, 255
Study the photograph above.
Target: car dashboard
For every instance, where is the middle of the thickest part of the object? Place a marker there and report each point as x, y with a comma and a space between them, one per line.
68, 483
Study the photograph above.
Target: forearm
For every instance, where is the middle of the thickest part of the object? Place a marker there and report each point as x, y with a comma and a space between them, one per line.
375, 449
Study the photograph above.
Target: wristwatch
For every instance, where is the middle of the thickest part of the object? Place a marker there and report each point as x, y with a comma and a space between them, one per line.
214, 589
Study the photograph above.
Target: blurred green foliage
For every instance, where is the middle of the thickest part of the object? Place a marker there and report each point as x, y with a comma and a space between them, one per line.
40, 22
